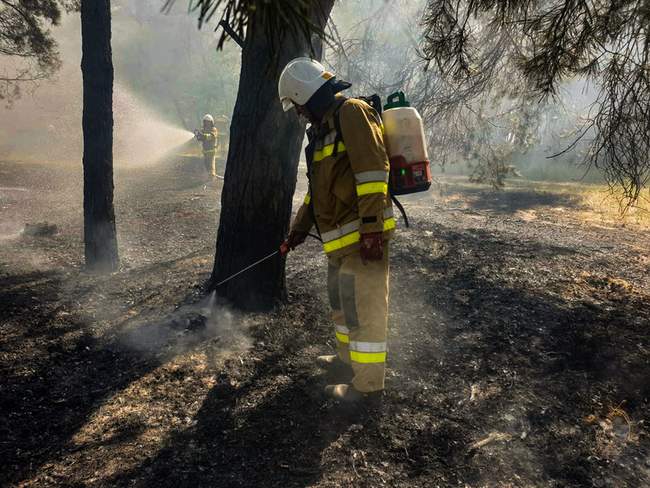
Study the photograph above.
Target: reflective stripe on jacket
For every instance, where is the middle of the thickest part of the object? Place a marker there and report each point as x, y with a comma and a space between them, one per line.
350, 184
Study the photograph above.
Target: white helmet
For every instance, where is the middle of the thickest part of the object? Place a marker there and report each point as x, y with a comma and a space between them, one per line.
300, 79
208, 118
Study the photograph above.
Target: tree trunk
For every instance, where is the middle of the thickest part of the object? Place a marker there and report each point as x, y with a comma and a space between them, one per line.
100, 241
261, 171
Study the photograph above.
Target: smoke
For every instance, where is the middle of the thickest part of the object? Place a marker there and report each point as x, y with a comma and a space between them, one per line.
189, 326
10, 230
377, 48
46, 127
45, 124
141, 137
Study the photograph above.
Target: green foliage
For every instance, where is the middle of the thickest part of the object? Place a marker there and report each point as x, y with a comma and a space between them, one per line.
27, 49
276, 17
381, 54
539, 44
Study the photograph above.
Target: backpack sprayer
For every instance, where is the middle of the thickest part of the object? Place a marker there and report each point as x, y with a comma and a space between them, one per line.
407, 153
406, 147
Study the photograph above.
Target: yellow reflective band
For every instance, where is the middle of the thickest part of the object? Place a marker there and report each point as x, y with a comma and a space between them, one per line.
307, 199
344, 338
344, 241
372, 187
368, 357
327, 151
389, 224
354, 237
383, 129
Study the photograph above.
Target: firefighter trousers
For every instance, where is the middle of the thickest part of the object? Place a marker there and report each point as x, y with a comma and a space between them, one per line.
358, 295
210, 161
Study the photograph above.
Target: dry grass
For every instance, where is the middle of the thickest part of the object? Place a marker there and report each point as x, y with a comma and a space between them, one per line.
599, 202
606, 204
594, 203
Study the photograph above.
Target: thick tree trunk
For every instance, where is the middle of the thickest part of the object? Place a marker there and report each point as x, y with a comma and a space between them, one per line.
261, 171
97, 68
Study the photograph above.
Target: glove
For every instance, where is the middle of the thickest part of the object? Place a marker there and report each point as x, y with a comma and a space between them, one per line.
372, 246
294, 239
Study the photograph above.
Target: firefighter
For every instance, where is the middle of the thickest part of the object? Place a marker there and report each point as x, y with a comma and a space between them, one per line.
209, 137
349, 204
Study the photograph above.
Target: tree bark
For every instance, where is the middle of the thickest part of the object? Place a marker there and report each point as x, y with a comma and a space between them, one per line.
100, 241
261, 170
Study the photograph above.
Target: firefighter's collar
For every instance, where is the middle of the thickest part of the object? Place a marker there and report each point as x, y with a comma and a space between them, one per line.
338, 101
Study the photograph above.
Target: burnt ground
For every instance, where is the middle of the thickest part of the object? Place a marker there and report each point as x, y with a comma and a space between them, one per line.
519, 348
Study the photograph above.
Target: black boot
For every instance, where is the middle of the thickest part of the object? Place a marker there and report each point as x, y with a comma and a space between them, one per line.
348, 394
337, 370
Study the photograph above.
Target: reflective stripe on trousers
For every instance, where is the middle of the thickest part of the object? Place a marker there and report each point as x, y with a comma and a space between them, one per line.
359, 298
367, 352
342, 334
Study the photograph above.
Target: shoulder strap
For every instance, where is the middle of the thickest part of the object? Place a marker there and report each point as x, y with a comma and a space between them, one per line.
309, 156
337, 128
375, 103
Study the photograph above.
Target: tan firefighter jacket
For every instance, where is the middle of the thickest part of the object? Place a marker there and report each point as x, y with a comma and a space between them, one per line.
348, 190
209, 139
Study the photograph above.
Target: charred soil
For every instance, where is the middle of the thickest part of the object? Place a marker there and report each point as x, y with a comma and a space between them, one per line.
519, 348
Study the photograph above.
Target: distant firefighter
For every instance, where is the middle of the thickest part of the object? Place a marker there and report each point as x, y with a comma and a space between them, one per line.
209, 137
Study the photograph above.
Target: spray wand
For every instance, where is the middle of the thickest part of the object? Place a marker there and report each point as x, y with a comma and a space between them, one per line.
266, 258
283, 251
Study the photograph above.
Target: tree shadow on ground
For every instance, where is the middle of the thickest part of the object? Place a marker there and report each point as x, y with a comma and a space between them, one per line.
501, 202
541, 360
269, 430
58, 375
509, 355
58, 371
512, 200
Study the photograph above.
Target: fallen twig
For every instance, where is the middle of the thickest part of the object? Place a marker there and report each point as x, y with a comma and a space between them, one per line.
493, 437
